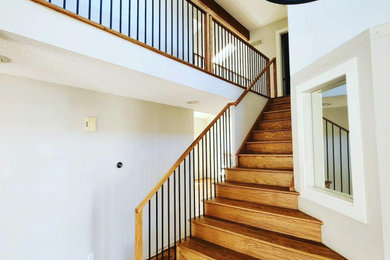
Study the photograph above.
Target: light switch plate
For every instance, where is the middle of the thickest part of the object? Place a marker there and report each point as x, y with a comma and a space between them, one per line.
90, 124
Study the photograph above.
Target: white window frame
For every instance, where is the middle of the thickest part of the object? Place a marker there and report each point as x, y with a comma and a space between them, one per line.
356, 207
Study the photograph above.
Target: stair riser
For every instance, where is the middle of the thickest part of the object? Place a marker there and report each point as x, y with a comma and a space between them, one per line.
266, 162
283, 106
278, 148
276, 223
271, 136
277, 179
281, 100
247, 245
279, 115
278, 125
279, 199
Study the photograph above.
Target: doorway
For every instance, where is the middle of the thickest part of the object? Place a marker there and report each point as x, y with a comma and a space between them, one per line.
285, 63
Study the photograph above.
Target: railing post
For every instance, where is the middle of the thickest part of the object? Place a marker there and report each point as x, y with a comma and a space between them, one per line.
208, 43
275, 79
139, 252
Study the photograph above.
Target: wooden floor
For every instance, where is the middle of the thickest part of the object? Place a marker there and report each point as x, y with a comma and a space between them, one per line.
255, 214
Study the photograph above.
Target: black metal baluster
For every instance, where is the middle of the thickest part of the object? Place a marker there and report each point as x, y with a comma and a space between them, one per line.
162, 221
100, 11
193, 181
150, 231
64, 4
110, 14
174, 208
341, 161
177, 28
215, 157
334, 165
172, 27
189, 192
185, 200
229, 140
349, 174
202, 42
206, 167
210, 169
145, 22
220, 134
120, 14
166, 27
159, 24
182, 28
179, 190
203, 171
169, 219
327, 153
197, 38
157, 225
192, 34
198, 181
77, 6
188, 32
129, 21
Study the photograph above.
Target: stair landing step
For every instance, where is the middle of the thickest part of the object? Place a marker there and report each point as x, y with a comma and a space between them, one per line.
199, 249
262, 241
277, 111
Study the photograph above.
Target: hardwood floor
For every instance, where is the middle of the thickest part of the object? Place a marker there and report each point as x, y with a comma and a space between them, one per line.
254, 215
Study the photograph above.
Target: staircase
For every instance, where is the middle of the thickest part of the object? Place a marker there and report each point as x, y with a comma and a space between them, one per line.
255, 213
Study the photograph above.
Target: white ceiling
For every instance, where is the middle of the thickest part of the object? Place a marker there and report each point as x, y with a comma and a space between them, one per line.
254, 14
39, 61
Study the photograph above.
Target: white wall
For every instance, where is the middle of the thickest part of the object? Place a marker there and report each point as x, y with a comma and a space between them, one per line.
317, 28
244, 116
267, 35
338, 115
381, 89
61, 194
355, 239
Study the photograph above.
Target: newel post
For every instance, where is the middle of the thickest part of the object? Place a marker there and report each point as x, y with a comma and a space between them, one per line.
139, 252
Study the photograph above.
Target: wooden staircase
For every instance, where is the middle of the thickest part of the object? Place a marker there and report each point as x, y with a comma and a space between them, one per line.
254, 215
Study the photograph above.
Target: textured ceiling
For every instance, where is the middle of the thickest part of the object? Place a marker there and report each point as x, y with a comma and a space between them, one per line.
35, 60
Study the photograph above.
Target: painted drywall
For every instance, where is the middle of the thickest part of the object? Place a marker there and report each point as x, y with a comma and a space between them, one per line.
61, 194
381, 82
269, 46
353, 239
338, 115
317, 28
58, 30
267, 35
244, 116
201, 122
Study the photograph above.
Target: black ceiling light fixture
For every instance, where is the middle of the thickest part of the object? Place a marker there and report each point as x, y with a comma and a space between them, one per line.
290, 2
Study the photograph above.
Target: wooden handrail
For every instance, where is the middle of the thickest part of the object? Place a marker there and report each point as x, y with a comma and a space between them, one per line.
189, 149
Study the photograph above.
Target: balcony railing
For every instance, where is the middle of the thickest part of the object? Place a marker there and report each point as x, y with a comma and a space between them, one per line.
179, 29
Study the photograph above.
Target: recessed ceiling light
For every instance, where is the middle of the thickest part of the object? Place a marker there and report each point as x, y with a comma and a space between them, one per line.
193, 102
4, 59
290, 2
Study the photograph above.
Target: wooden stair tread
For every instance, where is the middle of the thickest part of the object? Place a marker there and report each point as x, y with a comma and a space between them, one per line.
270, 142
212, 251
271, 130
277, 111
265, 209
280, 103
263, 187
274, 120
268, 237
259, 170
265, 155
